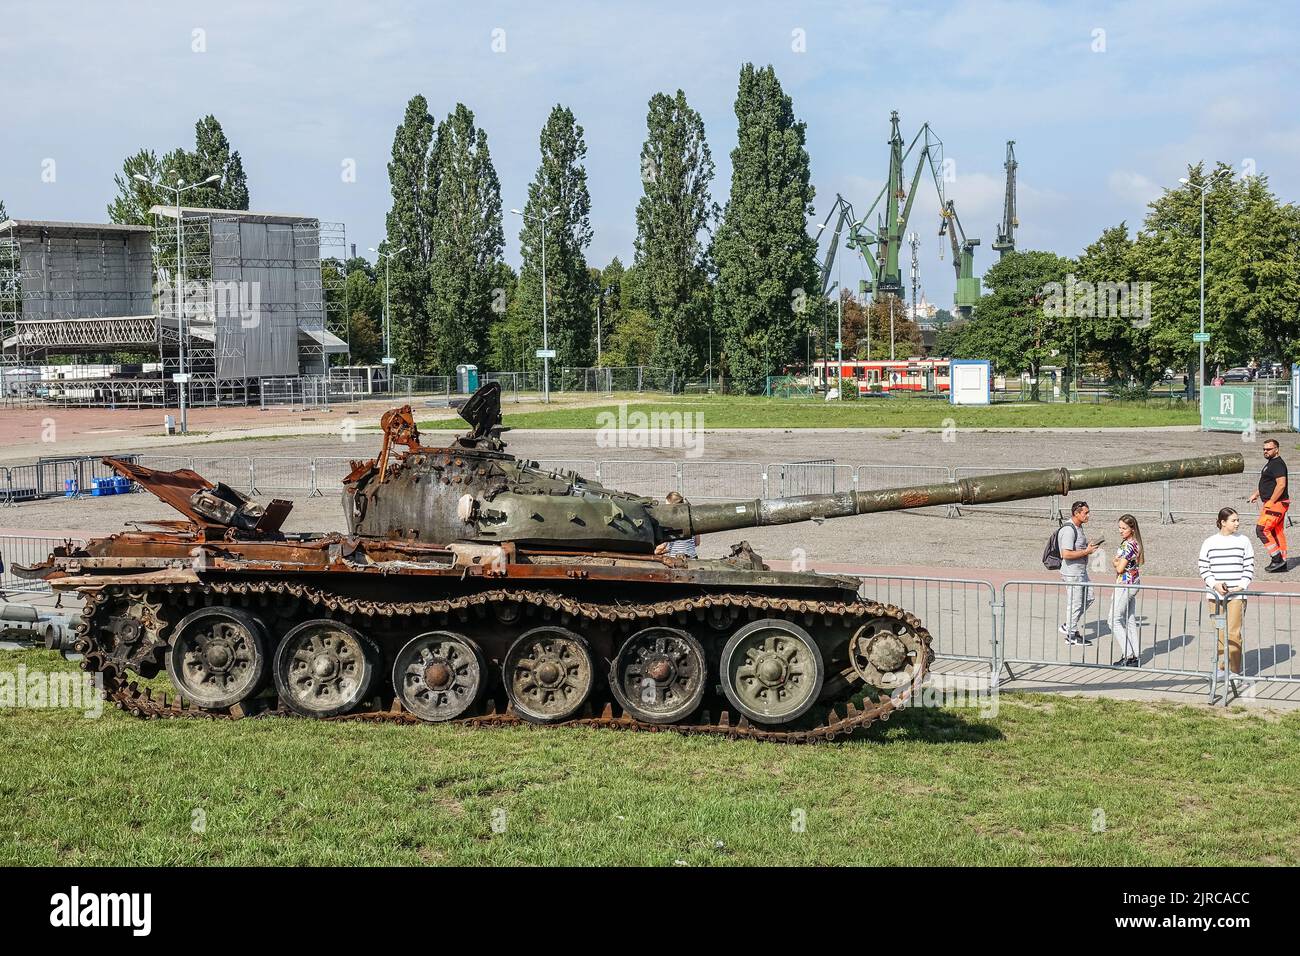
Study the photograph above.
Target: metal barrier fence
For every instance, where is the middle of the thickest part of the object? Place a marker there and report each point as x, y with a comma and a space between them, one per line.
957, 612
1177, 631
26, 550
53, 478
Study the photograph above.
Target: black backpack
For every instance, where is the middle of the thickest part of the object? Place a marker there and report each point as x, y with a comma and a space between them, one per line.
1052, 550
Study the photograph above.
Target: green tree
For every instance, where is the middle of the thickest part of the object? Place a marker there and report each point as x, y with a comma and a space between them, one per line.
134, 199
413, 180
365, 338
673, 218
609, 297
1016, 324
632, 342
1257, 300
211, 156
3, 214
559, 192
466, 244
764, 255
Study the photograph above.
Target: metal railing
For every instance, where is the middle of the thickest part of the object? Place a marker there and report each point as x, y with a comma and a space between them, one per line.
1177, 632
26, 550
72, 477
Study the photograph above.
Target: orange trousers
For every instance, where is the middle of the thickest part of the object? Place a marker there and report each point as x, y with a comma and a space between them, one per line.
1271, 528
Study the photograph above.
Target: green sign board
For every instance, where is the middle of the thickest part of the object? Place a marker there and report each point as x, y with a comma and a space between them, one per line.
1200, 336
1226, 409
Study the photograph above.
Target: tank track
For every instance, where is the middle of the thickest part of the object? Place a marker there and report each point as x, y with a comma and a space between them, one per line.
835, 719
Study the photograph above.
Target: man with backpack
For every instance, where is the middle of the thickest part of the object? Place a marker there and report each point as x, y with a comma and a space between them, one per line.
1068, 549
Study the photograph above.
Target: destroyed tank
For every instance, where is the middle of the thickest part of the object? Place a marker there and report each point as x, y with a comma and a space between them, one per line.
475, 587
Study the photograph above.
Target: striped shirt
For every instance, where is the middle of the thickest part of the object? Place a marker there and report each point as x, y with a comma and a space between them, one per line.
683, 547
1227, 559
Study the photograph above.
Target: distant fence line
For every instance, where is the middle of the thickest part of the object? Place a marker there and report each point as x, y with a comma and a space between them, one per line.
695, 479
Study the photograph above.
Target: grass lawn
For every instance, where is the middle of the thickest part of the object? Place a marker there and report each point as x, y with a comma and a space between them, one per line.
1177, 785
726, 411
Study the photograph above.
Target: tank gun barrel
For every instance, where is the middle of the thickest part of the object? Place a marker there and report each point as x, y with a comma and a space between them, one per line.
976, 490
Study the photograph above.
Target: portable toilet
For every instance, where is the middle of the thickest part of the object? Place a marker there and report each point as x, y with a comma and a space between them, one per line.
466, 379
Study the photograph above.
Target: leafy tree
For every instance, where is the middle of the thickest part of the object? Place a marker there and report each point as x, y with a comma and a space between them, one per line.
559, 193
609, 296
134, 199
211, 156
413, 180
673, 218
1015, 325
633, 340
365, 338
764, 255
466, 244
3, 214
907, 334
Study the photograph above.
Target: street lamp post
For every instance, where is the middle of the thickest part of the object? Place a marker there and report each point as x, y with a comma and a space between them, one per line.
1200, 340
388, 359
182, 378
546, 346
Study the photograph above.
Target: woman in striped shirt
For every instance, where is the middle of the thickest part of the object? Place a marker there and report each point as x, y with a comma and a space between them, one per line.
1227, 565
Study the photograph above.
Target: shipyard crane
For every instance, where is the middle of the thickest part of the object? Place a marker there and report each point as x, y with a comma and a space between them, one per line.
891, 223
963, 259
1006, 241
842, 213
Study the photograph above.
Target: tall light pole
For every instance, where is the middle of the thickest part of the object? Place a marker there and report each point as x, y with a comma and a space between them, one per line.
388, 359
181, 378
546, 345
1200, 338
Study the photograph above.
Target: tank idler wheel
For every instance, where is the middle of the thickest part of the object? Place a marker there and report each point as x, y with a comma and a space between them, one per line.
439, 675
772, 671
548, 673
218, 657
659, 675
886, 653
324, 668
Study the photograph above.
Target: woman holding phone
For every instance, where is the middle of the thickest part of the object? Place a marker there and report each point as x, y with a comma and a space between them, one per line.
1128, 560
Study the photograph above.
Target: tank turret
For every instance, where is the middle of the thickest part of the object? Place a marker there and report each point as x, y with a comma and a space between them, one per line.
473, 491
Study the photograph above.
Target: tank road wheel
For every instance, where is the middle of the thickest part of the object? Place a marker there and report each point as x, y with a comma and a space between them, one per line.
659, 675
439, 675
324, 668
218, 657
772, 671
887, 653
548, 673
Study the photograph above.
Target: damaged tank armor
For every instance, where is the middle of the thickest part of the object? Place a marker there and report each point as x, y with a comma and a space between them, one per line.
475, 587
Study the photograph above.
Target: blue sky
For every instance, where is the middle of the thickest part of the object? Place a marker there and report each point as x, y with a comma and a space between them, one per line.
1102, 121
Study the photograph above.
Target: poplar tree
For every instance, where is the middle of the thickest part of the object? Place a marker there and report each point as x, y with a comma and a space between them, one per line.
211, 155
413, 180
466, 244
560, 190
765, 258
673, 218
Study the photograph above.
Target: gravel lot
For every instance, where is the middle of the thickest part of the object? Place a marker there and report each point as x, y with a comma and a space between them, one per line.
973, 541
